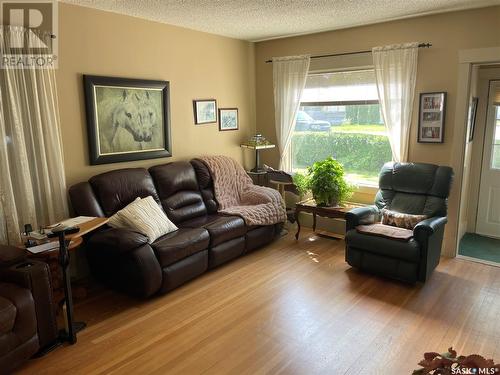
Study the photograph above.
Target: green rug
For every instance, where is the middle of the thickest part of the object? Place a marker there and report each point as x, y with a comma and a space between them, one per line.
476, 246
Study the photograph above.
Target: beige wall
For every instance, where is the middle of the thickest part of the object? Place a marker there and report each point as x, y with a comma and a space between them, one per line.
437, 71
198, 65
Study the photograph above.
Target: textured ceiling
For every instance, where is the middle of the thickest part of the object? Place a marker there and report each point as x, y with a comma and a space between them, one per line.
266, 19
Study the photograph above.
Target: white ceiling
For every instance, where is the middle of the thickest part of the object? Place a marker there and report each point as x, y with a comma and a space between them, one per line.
255, 20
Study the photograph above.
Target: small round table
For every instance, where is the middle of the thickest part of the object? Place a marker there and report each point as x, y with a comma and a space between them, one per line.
281, 186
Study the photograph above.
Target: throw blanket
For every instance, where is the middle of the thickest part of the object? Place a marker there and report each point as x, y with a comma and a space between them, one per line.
237, 195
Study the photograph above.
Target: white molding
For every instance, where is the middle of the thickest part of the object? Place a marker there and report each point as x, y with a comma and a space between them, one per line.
477, 260
479, 55
466, 58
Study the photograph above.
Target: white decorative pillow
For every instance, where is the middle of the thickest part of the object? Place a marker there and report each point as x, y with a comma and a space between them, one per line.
146, 217
115, 221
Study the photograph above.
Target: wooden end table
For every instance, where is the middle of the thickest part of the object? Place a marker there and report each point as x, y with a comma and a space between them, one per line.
309, 205
258, 178
281, 186
61, 277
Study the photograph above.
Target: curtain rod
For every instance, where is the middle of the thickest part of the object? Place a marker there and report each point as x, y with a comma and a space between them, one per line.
421, 45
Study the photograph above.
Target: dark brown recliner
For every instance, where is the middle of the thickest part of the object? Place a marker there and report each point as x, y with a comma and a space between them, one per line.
205, 239
27, 316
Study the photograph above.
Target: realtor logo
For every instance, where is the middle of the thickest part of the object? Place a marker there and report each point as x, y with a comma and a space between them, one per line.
31, 41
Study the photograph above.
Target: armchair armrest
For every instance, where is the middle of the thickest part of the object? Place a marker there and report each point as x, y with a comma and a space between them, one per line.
426, 228
429, 234
118, 240
361, 215
35, 276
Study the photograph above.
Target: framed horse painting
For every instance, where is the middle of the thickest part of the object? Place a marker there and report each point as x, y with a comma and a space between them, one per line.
127, 119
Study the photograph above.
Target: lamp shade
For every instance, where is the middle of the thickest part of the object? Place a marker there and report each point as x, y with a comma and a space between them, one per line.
257, 141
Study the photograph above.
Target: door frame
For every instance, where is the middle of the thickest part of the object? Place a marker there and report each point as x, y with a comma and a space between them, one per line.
466, 59
495, 82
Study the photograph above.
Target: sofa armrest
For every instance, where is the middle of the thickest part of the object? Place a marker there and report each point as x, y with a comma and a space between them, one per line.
361, 215
117, 240
125, 259
10, 255
426, 228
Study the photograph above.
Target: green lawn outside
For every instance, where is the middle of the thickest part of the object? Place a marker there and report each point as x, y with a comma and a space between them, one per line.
353, 174
363, 129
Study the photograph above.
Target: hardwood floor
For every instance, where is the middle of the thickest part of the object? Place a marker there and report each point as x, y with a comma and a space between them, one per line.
290, 308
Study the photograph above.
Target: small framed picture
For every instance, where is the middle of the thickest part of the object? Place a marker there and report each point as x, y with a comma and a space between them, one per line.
228, 119
431, 117
471, 120
205, 111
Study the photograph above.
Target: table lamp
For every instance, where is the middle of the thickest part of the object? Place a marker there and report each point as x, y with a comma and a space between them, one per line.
257, 142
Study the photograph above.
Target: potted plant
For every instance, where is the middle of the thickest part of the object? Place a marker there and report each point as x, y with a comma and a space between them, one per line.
301, 182
325, 179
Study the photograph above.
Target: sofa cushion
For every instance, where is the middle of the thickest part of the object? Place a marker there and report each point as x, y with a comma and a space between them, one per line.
180, 244
118, 188
387, 231
7, 315
178, 191
206, 185
221, 228
408, 250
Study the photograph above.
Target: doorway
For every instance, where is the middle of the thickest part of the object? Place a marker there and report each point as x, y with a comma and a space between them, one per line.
480, 225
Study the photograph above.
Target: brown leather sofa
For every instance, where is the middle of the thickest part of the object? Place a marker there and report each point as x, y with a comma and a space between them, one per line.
27, 316
205, 239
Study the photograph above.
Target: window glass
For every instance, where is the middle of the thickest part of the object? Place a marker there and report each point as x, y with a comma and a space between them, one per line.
340, 116
495, 156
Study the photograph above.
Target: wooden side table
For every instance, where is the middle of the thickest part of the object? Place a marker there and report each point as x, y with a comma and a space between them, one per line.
309, 205
258, 178
257, 149
61, 280
51, 257
281, 186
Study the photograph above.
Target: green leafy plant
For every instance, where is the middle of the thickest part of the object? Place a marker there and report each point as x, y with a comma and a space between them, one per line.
301, 182
327, 182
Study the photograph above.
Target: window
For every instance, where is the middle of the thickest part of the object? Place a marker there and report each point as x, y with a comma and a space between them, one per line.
495, 157
340, 116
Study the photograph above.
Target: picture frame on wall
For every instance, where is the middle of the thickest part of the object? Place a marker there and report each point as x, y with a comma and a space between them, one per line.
127, 119
471, 119
228, 119
431, 119
205, 111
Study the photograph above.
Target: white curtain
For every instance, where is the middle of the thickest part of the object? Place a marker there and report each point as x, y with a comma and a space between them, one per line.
289, 78
32, 180
396, 75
